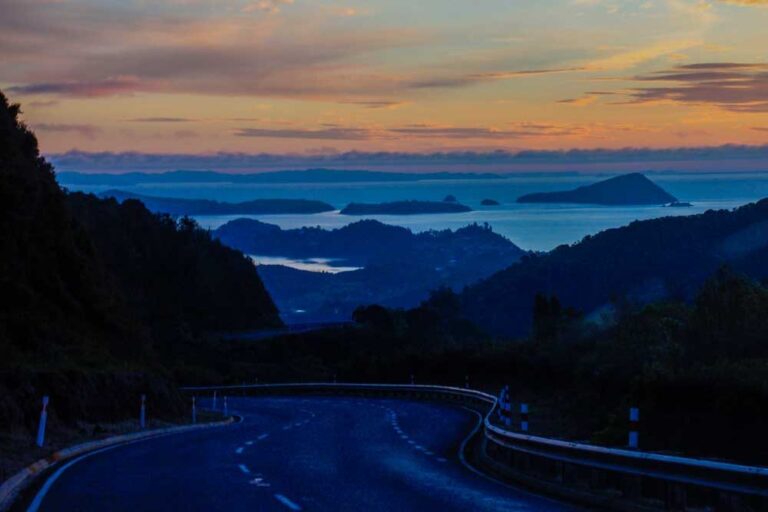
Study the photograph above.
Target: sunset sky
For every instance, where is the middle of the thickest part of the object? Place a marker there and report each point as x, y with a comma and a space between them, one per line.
314, 76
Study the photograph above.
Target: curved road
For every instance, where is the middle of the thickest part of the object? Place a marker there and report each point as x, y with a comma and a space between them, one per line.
290, 454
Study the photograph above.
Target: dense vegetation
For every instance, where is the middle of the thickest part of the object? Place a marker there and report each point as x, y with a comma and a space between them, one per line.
400, 267
174, 275
628, 189
697, 370
99, 299
176, 206
642, 262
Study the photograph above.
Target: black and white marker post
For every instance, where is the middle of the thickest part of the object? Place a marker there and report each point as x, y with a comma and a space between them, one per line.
524, 417
634, 428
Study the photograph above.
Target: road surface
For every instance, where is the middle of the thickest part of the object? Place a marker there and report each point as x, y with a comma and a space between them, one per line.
291, 454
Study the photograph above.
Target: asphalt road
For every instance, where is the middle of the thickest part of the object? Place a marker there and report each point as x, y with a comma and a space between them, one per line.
289, 454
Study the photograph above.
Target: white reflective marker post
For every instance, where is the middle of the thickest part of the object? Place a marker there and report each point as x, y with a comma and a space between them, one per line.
214, 400
194, 411
143, 412
41, 426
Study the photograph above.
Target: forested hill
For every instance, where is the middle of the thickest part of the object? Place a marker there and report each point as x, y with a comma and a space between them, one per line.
58, 305
100, 301
647, 260
173, 274
369, 241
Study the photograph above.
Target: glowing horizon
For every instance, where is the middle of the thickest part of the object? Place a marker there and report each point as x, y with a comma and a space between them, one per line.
324, 76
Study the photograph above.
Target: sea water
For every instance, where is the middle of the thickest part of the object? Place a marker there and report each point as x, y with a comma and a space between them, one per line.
538, 227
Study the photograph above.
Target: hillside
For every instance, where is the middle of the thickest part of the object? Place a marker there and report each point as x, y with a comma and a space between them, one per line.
65, 330
101, 301
401, 267
628, 189
174, 274
644, 261
176, 206
364, 242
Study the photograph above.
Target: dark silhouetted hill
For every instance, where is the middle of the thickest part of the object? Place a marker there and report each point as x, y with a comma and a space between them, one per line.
644, 261
628, 189
400, 267
101, 300
172, 272
176, 206
65, 329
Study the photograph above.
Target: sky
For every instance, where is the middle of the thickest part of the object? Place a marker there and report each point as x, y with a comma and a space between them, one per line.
327, 76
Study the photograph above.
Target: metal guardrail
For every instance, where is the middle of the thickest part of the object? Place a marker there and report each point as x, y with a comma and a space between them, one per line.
553, 460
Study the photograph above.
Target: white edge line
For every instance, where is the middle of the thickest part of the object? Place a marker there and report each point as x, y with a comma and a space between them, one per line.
40, 496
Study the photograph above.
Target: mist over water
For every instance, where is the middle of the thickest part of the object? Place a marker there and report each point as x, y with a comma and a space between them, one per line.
538, 227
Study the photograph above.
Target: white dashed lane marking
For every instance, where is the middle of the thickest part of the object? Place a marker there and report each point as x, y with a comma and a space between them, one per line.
399, 431
288, 503
239, 450
262, 437
244, 468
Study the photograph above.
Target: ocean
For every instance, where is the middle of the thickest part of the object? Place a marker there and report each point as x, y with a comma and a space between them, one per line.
538, 227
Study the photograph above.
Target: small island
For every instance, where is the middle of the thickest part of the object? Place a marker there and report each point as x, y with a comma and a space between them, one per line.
174, 206
678, 204
450, 198
625, 190
404, 208
489, 202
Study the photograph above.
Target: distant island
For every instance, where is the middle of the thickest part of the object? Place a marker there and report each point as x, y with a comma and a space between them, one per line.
489, 202
400, 267
404, 208
301, 176
628, 189
174, 206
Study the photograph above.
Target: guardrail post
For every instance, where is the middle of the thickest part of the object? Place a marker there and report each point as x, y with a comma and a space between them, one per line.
41, 425
634, 423
524, 417
466, 381
505, 407
413, 380
214, 401
194, 411
334, 378
143, 412
226, 409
